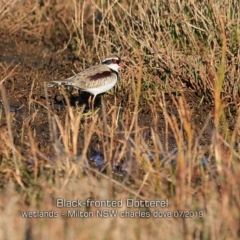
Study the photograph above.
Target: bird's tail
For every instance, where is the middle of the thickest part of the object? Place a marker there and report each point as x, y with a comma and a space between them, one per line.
58, 83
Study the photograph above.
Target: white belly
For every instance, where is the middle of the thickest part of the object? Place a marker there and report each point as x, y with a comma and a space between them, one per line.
101, 89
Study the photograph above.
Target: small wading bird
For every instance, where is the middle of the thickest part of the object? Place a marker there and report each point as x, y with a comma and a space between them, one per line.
96, 79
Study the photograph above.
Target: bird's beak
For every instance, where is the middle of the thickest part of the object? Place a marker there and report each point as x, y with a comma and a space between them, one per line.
121, 64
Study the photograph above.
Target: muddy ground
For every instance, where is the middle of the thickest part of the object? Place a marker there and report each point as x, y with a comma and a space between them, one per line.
37, 63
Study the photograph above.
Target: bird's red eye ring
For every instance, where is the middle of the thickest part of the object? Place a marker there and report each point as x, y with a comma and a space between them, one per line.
114, 60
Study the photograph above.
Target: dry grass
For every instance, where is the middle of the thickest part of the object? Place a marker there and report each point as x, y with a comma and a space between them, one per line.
169, 130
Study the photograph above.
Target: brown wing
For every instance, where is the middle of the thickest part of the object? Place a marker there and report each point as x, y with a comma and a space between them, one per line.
98, 76
99, 80
95, 76
90, 78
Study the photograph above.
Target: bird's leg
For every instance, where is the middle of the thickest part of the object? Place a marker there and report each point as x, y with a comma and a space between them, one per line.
89, 101
93, 101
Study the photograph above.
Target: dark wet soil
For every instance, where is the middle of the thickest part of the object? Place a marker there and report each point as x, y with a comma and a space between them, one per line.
35, 64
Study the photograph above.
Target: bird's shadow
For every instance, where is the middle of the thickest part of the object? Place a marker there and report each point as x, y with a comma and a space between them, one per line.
81, 99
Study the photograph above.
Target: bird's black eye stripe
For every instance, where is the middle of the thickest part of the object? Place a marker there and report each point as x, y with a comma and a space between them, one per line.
107, 62
116, 61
